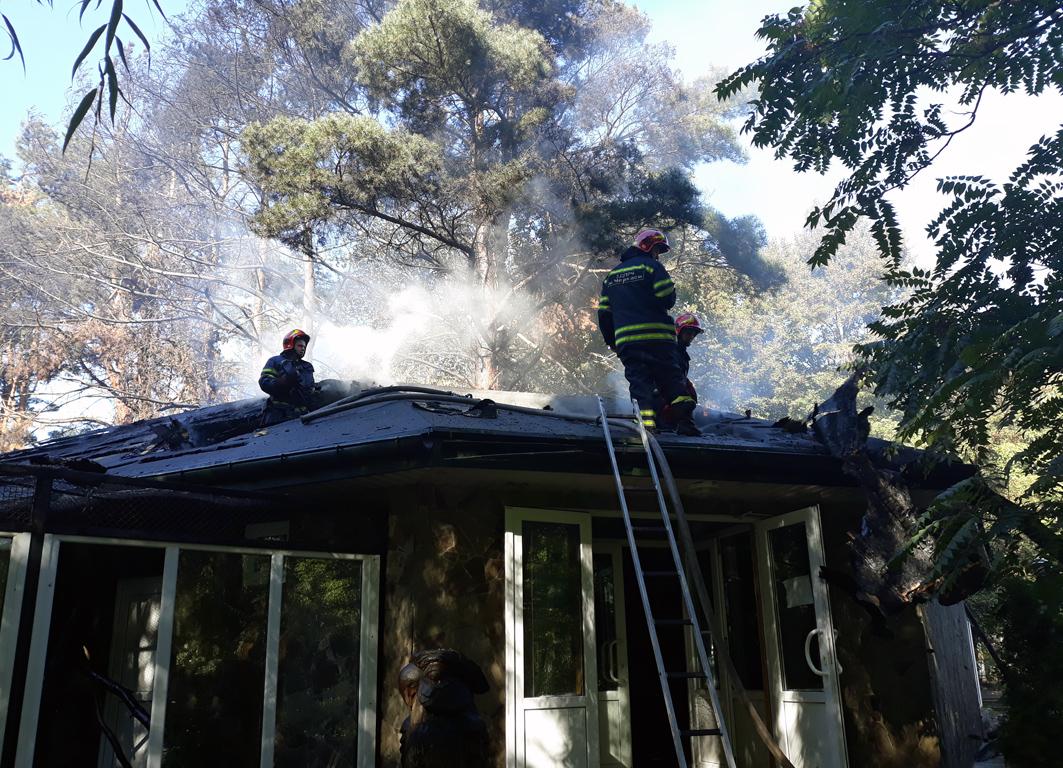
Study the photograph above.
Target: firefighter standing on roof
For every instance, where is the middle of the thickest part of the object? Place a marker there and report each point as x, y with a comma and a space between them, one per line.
687, 328
634, 321
288, 379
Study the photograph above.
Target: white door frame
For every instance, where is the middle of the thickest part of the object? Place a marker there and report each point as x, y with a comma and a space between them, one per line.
515, 700
622, 695
830, 697
367, 673
11, 618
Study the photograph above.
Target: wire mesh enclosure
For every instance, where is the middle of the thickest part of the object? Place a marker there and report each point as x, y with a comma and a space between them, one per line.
88, 504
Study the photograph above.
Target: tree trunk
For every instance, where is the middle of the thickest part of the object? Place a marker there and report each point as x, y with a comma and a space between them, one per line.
490, 245
309, 297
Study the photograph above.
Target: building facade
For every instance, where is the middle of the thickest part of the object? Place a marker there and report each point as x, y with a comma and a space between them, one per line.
215, 594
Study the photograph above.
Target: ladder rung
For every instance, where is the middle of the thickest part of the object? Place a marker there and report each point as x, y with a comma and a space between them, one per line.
674, 622
660, 573
686, 675
694, 732
639, 488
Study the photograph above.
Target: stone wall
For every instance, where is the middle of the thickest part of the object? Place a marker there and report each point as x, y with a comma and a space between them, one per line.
443, 586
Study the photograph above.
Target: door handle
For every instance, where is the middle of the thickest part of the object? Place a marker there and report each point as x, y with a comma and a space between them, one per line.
616, 663
609, 672
808, 654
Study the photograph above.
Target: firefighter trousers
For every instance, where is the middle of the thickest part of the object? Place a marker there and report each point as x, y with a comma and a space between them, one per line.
655, 379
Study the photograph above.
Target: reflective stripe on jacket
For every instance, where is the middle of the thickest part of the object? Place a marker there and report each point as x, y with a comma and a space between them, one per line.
635, 300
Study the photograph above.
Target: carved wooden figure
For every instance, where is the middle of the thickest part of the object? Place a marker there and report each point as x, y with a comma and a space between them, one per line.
444, 730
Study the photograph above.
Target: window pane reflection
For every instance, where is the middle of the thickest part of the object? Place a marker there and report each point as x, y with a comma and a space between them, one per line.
553, 610
605, 621
214, 708
317, 680
740, 601
796, 611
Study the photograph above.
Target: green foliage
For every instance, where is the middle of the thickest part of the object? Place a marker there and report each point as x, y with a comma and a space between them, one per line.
978, 339
839, 83
974, 350
741, 241
500, 152
1030, 613
780, 351
312, 170
427, 52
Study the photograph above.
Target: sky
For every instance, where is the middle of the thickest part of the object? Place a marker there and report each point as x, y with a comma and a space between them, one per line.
704, 34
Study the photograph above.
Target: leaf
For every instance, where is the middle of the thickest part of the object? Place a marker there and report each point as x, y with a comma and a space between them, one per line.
79, 115
16, 47
112, 86
112, 24
136, 29
88, 47
121, 52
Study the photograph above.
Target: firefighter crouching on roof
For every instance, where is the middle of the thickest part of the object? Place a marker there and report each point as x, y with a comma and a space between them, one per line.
687, 328
288, 379
634, 321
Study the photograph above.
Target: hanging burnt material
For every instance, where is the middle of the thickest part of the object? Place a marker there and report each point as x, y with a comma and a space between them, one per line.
444, 729
880, 580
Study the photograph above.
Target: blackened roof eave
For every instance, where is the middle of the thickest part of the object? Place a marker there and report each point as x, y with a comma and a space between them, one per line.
448, 448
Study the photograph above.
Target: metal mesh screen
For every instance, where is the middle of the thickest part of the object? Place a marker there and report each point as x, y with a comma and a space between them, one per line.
85, 505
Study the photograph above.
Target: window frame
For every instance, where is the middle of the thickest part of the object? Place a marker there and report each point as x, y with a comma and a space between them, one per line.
11, 616
368, 630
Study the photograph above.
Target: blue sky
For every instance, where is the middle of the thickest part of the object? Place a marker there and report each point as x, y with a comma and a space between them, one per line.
51, 39
704, 33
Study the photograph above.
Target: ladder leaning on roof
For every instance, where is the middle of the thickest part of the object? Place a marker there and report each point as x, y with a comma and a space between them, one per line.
634, 422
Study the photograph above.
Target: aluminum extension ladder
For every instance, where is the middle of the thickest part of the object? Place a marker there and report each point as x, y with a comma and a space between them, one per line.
699, 636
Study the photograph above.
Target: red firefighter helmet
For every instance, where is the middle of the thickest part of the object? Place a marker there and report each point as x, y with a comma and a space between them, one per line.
294, 335
688, 320
647, 238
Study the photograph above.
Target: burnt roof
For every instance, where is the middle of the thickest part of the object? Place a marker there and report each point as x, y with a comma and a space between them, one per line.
224, 444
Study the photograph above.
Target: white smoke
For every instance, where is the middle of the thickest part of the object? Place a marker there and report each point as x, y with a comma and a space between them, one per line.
409, 329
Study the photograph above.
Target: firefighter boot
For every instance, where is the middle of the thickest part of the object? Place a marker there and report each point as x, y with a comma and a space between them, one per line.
684, 419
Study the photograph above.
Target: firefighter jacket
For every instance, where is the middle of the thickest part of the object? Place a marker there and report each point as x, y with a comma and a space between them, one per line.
635, 300
287, 379
684, 365
684, 360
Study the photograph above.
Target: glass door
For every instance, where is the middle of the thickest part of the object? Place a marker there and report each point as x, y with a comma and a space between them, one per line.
736, 596
802, 665
551, 667
614, 699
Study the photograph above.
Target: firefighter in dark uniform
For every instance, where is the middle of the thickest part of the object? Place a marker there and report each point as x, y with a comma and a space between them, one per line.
687, 328
634, 321
288, 379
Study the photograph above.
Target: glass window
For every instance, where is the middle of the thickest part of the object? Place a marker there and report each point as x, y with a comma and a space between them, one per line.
605, 620
704, 558
740, 599
795, 609
214, 701
317, 676
553, 610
